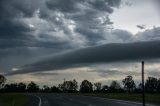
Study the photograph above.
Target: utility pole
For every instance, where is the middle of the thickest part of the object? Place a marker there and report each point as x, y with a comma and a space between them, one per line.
143, 88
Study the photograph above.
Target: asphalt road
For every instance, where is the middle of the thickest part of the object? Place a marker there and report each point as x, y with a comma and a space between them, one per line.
70, 100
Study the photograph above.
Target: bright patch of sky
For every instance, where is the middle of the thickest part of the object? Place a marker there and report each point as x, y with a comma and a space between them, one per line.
136, 12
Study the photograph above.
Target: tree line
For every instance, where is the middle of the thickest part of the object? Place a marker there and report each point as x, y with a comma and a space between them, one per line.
152, 85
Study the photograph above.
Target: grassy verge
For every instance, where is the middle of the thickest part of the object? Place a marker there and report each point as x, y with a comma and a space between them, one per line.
150, 98
16, 99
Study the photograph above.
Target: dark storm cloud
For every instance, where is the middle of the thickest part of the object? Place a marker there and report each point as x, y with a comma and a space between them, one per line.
17, 57
31, 29
98, 54
18, 8
91, 17
17, 31
13, 32
74, 5
104, 5
44, 25
63, 5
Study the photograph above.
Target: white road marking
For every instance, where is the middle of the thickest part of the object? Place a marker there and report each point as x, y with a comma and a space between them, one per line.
40, 101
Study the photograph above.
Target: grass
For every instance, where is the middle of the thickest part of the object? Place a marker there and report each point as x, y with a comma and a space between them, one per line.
21, 100
16, 99
150, 98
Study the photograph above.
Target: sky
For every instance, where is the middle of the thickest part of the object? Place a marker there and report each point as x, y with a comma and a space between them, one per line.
47, 41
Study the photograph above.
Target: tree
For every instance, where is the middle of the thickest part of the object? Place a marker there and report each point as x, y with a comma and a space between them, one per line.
2, 81
86, 86
151, 84
46, 88
158, 86
61, 87
105, 88
114, 87
139, 88
75, 85
21, 87
32, 87
98, 86
129, 84
55, 89
69, 86
13, 87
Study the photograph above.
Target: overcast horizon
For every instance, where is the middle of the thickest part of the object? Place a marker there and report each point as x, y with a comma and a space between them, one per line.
99, 40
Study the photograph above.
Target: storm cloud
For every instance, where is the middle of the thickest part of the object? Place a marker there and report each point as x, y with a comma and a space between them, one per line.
29, 27
98, 54
59, 34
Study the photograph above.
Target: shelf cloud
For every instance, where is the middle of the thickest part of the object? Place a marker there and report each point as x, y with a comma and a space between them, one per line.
99, 54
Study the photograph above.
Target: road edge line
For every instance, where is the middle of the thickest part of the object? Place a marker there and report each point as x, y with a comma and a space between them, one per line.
40, 101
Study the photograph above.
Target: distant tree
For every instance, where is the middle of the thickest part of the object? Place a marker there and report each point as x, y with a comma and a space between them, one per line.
61, 87
32, 87
69, 86
21, 87
2, 81
86, 86
105, 88
129, 84
13, 87
55, 89
158, 86
46, 88
114, 87
139, 88
151, 84
98, 86
75, 85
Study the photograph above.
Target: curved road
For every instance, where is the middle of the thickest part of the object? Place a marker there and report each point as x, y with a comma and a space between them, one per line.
71, 100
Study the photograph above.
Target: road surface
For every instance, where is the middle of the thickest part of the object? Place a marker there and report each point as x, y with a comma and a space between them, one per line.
70, 100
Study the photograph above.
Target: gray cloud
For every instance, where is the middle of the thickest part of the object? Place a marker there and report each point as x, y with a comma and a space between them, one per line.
49, 25
149, 34
98, 54
71, 6
107, 73
90, 17
13, 32
26, 23
45, 74
154, 73
17, 57
34, 28
63, 5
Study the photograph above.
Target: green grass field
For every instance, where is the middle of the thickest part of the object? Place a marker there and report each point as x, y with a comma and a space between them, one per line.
13, 99
150, 98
